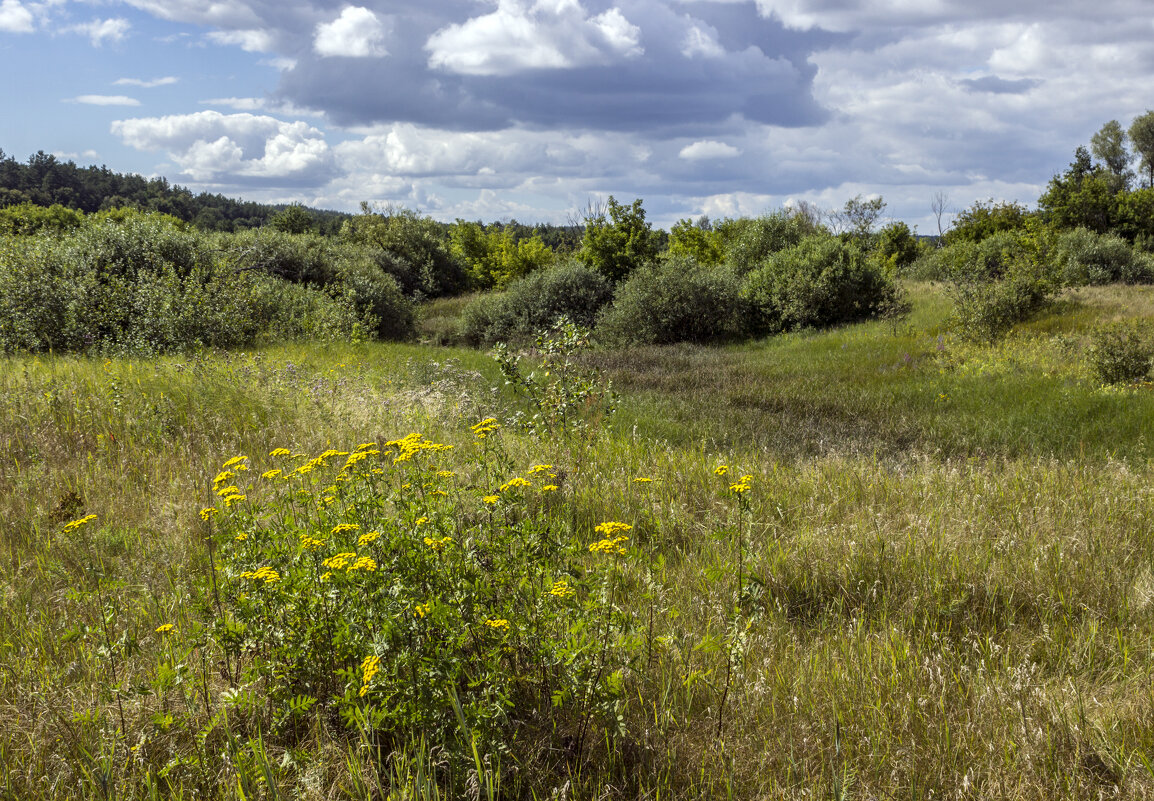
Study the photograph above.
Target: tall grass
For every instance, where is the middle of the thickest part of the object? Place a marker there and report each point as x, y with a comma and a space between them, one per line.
942, 584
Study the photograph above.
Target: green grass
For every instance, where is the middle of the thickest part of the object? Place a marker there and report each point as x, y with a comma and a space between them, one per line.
939, 596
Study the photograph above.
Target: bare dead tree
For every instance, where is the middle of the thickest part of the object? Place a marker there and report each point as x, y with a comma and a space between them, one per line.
938, 204
594, 208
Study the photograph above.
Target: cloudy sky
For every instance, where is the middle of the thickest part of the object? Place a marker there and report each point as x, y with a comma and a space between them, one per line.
526, 109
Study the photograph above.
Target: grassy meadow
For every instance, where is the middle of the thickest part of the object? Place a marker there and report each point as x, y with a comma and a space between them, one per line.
869, 562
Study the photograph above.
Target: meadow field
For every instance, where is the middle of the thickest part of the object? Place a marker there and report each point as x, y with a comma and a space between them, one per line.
867, 562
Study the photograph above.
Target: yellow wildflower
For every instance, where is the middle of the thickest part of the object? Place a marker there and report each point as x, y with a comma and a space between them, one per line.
516, 481
82, 522
341, 528
642, 480
499, 623
280, 452
222, 477
241, 537
445, 473
270, 474
741, 486
368, 538
207, 512
437, 544
234, 461
230, 490
490, 499
311, 543
265, 574
420, 610
611, 544
366, 445
561, 589
340, 561
231, 499
540, 468
550, 488
420, 520
369, 668
721, 470
366, 563
165, 628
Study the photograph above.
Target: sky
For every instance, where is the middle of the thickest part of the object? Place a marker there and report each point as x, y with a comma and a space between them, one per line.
530, 109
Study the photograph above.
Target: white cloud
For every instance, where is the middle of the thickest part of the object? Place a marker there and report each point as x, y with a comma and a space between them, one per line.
101, 30
700, 41
708, 149
356, 33
262, 104
15, 18
143, 84
251, 40
208, 145
105, 100
550, 34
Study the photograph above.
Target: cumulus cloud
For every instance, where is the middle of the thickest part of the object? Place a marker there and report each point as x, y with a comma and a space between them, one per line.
356, 33
143, 84
105, 100
708, 149
208, 145
101, 30
15, 18
549, 34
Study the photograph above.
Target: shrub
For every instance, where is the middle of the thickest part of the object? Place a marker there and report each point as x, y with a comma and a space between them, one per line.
998, 282
1084, 257
676, 300
27, 218
414, 250
534, 303
1121, 353
750, 242
818, 282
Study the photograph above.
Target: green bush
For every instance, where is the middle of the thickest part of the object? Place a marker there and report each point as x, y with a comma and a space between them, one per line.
675, 300
1084, 257
27, 218
1121, 353
998, 282
749, 243
534, 303
142, 283
415, 250
818, 282
618, 240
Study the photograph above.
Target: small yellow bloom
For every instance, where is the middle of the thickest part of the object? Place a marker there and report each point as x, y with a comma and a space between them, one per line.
280, 452
265, 574
234, 461
222, 478
207, 513
516, 481
366, 563
340, 561
540, 468
82, 522
270, 474
311, 543
341, 528
231, 499
445, 473
165, 628
437, 544
561, 589
721, 470
490, 499
500, 624
642, 480
368, 538
550, 488
420, 610
241, 537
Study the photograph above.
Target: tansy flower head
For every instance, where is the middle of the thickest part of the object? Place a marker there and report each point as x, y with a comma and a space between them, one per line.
341, 528
561, 589
165, 628
490, 499
549, 488
81, 523
498, 623
207, 513
234, 461
368, 538
280, 452
270, 474
721, 470
516, 481
540, 468
642, 480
